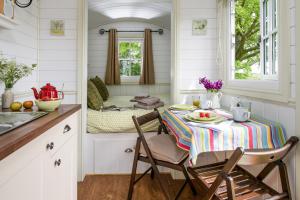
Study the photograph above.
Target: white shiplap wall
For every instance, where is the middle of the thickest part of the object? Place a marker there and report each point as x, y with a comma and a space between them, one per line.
197, 54
97, 57
20, 43
58, 54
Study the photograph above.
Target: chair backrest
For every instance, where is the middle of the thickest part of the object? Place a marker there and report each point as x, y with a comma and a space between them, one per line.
147, 118
140, 121
267, 156
242, 157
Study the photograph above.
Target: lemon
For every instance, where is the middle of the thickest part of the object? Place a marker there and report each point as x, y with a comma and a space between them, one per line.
16, 106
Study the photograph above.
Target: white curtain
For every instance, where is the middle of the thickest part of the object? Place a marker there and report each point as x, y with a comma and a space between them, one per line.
223, 21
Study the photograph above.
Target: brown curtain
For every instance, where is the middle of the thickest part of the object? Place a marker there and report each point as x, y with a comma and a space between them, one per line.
1, 6
147, 76
112, 75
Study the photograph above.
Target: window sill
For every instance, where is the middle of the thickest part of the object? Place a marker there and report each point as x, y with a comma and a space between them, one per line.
263, 86
277, 98
130, 80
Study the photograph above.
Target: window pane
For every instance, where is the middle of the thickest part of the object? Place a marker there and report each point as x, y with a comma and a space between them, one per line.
275, 54
247, 39
266, 17
266, 57
275, 8
130, 57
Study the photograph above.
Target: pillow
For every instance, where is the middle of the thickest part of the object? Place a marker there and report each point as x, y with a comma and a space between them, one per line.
94, 99
101, 87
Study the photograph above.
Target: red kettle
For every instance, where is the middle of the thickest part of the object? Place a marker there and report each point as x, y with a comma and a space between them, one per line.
47, 92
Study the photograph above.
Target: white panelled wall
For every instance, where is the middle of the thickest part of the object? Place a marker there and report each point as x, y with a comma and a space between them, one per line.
30, 42
21, 43
97, 57
197, 54
58, 54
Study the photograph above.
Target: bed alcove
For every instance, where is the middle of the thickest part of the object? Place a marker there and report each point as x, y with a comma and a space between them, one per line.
112, 153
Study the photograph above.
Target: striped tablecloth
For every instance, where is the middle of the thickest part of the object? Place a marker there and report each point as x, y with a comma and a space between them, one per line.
227, 135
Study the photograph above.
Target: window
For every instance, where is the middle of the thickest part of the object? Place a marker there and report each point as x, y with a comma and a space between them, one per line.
254, 48
254, 39
131, 59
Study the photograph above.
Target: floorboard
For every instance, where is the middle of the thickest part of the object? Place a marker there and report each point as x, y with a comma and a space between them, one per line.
115, 187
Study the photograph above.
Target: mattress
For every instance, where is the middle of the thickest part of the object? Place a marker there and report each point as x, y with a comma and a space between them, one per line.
120, 121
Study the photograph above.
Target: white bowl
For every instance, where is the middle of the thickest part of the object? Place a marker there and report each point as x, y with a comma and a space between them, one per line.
48, 106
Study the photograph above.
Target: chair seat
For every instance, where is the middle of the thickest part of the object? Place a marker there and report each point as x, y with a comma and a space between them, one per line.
163, 147
245, 185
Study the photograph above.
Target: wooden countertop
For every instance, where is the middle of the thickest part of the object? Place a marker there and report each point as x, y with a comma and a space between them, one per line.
17, 138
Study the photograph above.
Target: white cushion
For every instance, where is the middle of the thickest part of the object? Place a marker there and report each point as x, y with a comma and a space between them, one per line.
163, 147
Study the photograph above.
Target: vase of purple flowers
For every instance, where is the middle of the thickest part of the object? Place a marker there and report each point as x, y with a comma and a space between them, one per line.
213, 96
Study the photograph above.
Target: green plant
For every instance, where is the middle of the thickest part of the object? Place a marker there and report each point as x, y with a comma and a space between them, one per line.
247, 37
11, 72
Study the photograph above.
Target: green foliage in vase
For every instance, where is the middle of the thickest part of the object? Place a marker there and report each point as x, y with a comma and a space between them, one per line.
11, 71
247, 37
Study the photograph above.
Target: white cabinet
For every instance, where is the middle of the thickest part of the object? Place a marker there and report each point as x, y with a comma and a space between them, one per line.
45, 168
112, 153
61, 173
26, 184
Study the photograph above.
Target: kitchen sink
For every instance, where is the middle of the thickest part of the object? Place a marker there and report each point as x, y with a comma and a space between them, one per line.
12, 120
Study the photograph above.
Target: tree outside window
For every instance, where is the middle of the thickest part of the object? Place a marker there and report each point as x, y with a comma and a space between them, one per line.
130, 57
254, 39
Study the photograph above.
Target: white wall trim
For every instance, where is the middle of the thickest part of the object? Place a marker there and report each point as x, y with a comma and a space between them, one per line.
297, 96
82, 79
175, 52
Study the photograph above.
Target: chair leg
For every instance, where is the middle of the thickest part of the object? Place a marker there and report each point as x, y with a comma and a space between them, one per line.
152, 174
284, 177
187, 177
230, 188
134, 167
161, 181
180, 190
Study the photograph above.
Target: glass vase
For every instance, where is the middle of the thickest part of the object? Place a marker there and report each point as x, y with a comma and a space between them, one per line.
214, 98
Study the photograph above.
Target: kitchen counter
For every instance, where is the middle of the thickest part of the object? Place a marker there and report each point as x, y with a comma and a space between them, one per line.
17, 138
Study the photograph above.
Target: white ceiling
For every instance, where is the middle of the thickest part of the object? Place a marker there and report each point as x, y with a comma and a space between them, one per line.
157, 12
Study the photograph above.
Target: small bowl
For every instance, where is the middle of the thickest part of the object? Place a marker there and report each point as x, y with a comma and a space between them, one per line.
48, 106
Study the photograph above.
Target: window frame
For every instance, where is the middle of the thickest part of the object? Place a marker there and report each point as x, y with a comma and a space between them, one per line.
270, 89
131, 79
270, 37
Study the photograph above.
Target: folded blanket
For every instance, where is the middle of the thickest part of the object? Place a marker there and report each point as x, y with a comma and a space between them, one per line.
149, 107
148, 101
141, 96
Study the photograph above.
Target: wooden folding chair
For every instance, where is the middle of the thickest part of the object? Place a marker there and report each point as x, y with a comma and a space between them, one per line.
159, 150
228, 180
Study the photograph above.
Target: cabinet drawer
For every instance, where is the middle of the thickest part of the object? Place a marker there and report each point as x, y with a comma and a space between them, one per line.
60, 133
114, 154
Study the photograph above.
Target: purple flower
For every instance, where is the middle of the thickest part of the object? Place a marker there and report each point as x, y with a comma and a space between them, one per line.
209, 85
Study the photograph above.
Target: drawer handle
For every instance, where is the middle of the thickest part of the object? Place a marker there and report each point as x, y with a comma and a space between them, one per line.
67, 129
128, 150
50, 146
57, 162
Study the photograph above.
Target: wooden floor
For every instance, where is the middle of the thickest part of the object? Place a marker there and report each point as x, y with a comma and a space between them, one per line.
115, 187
